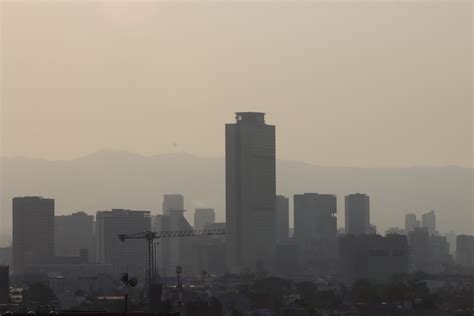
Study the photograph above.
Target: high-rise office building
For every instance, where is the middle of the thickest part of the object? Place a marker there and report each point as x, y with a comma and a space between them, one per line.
428, 220
178, 250
4, 284
203, 216
250, 192
173, 202
74, 233
316, 231
372, 257
282, 219
33, 232
419, 243
465, 250
411, 222
129, 256
357, 214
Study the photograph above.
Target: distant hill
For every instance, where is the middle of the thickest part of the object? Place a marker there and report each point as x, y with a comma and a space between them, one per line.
117, 179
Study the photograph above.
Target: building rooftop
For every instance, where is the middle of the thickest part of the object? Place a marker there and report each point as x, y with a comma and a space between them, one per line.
250, 116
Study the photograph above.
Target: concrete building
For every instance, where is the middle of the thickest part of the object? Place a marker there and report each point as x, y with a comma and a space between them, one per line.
316, 231
4, 284
357, 207
372, 257
210, 251
439, 255
177, 250
5, 256
173, 202
131, 255
428, 220
250, 192
33, 232
411, 222
465, 250
203, 217
282, 219
419, 243
74, 233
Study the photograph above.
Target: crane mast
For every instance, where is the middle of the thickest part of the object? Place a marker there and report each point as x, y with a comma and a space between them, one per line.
150, 238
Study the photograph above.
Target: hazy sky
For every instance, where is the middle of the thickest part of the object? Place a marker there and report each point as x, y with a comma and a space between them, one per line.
347, 83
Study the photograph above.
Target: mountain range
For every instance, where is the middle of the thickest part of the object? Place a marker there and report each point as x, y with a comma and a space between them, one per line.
117, 179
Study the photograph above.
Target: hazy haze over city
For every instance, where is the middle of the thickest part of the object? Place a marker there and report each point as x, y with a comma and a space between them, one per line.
351, 84
363, 84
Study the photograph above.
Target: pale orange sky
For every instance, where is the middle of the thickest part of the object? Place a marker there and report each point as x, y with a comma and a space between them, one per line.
346, 83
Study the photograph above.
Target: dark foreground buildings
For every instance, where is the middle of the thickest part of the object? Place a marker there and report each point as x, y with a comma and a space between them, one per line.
33, 232
250, 192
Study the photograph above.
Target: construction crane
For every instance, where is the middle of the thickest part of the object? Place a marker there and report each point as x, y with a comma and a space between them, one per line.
150, 237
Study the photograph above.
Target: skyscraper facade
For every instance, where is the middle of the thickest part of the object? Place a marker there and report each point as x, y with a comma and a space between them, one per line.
428, 220
173, 202
357, 214
33, 232
129, 256
411, 222
250, 192
74, 233
282, 219
316, 231
203, 217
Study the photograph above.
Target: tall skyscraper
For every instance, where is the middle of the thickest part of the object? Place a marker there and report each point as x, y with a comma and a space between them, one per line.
282, 218
4, 284
357, 214
418, 241
129, 256
411, 222
250, 192
178, 250
203, 216
33, 232
316, 231
173, 202
428, 220
73, 233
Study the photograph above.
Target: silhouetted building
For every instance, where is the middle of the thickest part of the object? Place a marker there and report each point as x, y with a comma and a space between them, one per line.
4, 284
372, 257
5, 256
33, 232
411, 222
357, 214
130, 255
250, 192
439, 256
395, 230
282, 218
451, 236
287, 258
428, 220
418, 240
203, 216
178, 250
316, 231
74, 233
210, 251
465, 250
173, 202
